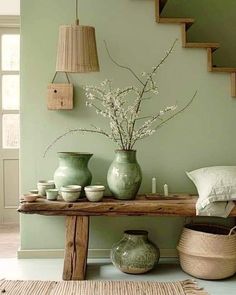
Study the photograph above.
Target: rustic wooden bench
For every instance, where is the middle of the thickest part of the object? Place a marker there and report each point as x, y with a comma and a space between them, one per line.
77, 220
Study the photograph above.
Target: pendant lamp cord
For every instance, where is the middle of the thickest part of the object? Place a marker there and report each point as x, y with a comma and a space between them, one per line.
76, 12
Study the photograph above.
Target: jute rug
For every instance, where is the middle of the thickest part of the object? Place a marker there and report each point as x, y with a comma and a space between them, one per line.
187, 287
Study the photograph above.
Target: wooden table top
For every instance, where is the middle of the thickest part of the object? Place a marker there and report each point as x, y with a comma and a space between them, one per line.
149, 205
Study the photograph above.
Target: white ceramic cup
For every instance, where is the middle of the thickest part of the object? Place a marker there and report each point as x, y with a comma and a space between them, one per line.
52, 194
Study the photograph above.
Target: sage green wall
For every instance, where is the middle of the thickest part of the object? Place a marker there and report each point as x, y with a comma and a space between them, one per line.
215, 21
201, 136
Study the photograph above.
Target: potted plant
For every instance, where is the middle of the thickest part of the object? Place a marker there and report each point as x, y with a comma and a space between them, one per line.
127, 125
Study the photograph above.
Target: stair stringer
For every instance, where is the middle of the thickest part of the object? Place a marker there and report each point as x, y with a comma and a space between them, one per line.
186, 23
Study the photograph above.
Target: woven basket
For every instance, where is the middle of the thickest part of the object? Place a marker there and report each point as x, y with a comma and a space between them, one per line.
208, 251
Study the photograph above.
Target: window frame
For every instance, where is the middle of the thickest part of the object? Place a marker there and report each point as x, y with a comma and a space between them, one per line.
7, 212
8, 25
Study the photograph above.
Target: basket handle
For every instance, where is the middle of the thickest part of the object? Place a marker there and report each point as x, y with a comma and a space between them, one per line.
232, 229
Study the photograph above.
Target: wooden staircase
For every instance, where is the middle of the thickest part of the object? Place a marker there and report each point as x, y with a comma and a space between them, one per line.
186, 23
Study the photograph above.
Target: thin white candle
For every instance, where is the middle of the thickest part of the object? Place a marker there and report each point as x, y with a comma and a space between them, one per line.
154, 185
166, 190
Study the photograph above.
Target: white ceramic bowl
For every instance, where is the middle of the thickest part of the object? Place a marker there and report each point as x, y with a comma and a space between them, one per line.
34, 191
30, 197
71, 188
71, 196
94, 193
70, 193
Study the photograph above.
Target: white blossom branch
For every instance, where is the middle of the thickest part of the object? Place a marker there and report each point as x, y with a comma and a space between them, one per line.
177, 113
165, 121
146, 84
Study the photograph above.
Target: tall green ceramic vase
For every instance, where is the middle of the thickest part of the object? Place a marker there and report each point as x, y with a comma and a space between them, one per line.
73, 169
124, 175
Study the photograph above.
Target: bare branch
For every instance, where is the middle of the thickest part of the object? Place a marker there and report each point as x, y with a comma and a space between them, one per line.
122, 66
116, 140
73, 131
165, 57
142, 118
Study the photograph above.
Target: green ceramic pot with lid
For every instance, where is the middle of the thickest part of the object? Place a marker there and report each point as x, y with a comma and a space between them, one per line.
134, 253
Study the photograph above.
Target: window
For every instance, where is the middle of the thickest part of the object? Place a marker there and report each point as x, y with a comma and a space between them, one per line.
10, 89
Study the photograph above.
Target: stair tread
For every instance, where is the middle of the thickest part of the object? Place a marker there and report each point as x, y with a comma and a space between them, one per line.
162, 4
224, 69
175, 20
202, 45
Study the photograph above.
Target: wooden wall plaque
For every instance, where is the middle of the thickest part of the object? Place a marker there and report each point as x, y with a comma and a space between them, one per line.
60, 96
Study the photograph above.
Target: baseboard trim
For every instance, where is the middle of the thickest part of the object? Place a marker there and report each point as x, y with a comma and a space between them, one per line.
92, 253
40, 253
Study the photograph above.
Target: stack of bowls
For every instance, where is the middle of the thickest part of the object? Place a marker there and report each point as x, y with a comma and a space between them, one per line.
70, 193
43, 185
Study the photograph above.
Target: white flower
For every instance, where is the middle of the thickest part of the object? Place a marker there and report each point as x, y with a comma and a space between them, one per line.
155, 91
105, 82
90, 96
171, 108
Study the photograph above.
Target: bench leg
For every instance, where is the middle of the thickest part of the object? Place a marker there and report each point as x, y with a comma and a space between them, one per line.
76, 247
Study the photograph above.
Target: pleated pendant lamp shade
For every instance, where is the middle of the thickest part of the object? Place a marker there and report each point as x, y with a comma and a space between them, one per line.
77, 50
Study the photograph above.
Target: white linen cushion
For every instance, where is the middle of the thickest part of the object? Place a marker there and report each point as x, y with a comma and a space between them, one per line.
214, 184
216, 209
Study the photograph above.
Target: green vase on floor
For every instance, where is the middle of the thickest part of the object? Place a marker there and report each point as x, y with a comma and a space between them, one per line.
73, 169
124, 175
134, 253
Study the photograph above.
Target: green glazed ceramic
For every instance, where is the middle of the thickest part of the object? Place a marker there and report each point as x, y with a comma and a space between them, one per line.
135, 254
124, 175
73, 169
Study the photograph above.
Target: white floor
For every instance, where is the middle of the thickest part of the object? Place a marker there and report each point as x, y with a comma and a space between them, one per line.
51, 269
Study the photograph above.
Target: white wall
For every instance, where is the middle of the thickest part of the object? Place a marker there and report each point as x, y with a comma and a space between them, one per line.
9, 7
